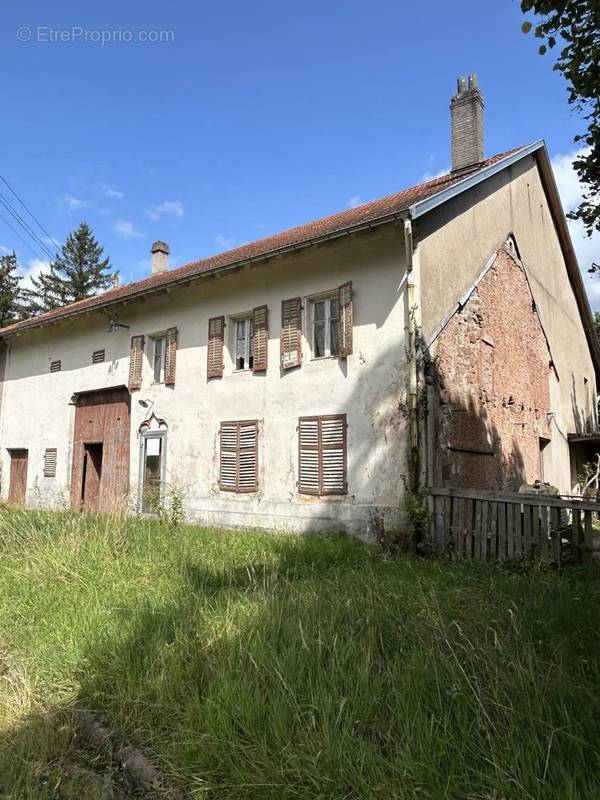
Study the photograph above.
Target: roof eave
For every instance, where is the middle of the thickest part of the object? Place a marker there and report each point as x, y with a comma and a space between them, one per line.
200, 276
558, 215
469, 181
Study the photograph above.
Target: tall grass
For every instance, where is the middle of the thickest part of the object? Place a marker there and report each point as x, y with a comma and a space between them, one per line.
253, 666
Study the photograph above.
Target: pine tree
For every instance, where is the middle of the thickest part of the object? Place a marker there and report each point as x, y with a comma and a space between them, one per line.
11, 306
78, 272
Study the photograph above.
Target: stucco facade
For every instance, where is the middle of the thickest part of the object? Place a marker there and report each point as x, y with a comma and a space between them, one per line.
400, 287
367, 386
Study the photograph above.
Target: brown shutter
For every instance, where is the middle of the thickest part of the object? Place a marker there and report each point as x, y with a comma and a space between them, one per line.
170, 356
239, 456
50, 462
291, 333
308, 455
322, 455
346, 319
216, 336
248, 456
333, 454
136, 361
228, 460
260, 339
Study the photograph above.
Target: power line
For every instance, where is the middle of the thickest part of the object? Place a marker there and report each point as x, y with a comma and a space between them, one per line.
31, 214
26, 243
19, 219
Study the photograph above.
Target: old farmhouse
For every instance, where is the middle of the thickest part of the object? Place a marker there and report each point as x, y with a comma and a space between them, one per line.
438, 336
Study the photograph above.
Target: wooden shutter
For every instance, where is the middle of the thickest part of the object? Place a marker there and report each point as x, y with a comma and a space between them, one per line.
322, 455
50, 462
170, 356
333, 454
228, 468
291, 333
136, 361
239, 456
346, 319
260, 339
55, 366
216, 336
308, 455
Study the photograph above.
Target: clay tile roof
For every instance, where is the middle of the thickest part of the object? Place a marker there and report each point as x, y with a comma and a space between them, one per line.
294, 237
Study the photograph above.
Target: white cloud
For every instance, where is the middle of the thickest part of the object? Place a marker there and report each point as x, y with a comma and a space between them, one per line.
225, 242
127, 229
587, 248
72, 203
169, 208
353, 201
32, 270
114, 193
431, 176
4, 249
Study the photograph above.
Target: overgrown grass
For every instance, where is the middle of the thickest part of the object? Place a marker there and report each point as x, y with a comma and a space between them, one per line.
254, 666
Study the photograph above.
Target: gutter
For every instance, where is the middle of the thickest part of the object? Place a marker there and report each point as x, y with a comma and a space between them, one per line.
413, 212
215, 272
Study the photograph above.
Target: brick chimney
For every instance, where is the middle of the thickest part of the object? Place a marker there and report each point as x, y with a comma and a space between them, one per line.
466, 115
160, 257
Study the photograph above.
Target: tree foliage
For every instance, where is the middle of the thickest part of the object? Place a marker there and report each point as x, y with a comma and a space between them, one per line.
576, 25
78, 272
11, 305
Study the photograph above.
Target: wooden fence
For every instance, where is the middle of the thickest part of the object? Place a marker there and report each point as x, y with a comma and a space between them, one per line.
493, 526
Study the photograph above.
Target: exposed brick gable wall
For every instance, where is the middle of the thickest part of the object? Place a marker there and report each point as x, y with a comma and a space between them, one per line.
492, 387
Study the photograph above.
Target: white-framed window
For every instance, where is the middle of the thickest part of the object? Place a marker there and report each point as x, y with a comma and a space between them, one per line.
325, 326
242, 346
158, 358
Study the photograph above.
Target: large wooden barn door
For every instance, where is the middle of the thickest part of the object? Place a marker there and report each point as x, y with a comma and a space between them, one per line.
17, 488
100, 474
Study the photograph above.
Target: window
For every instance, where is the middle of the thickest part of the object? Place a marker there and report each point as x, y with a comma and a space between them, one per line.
97, 356
152, 471
50, 462
322, 455
326, 327
331, 321
158, 359
239, 456
55, 366
244, 331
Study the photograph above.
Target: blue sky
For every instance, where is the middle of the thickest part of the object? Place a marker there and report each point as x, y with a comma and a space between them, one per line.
254, 117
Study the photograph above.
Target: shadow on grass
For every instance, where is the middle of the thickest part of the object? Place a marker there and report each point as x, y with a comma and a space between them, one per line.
332, 672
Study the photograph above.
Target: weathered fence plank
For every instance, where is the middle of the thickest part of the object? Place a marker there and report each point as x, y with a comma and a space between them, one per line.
498, 527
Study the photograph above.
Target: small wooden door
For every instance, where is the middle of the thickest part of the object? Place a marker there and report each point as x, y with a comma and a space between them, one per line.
18, 477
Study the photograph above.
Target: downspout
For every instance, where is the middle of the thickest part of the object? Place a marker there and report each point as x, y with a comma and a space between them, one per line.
410, 310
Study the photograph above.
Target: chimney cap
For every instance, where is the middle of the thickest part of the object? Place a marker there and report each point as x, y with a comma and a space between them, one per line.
160, 247
465, 85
